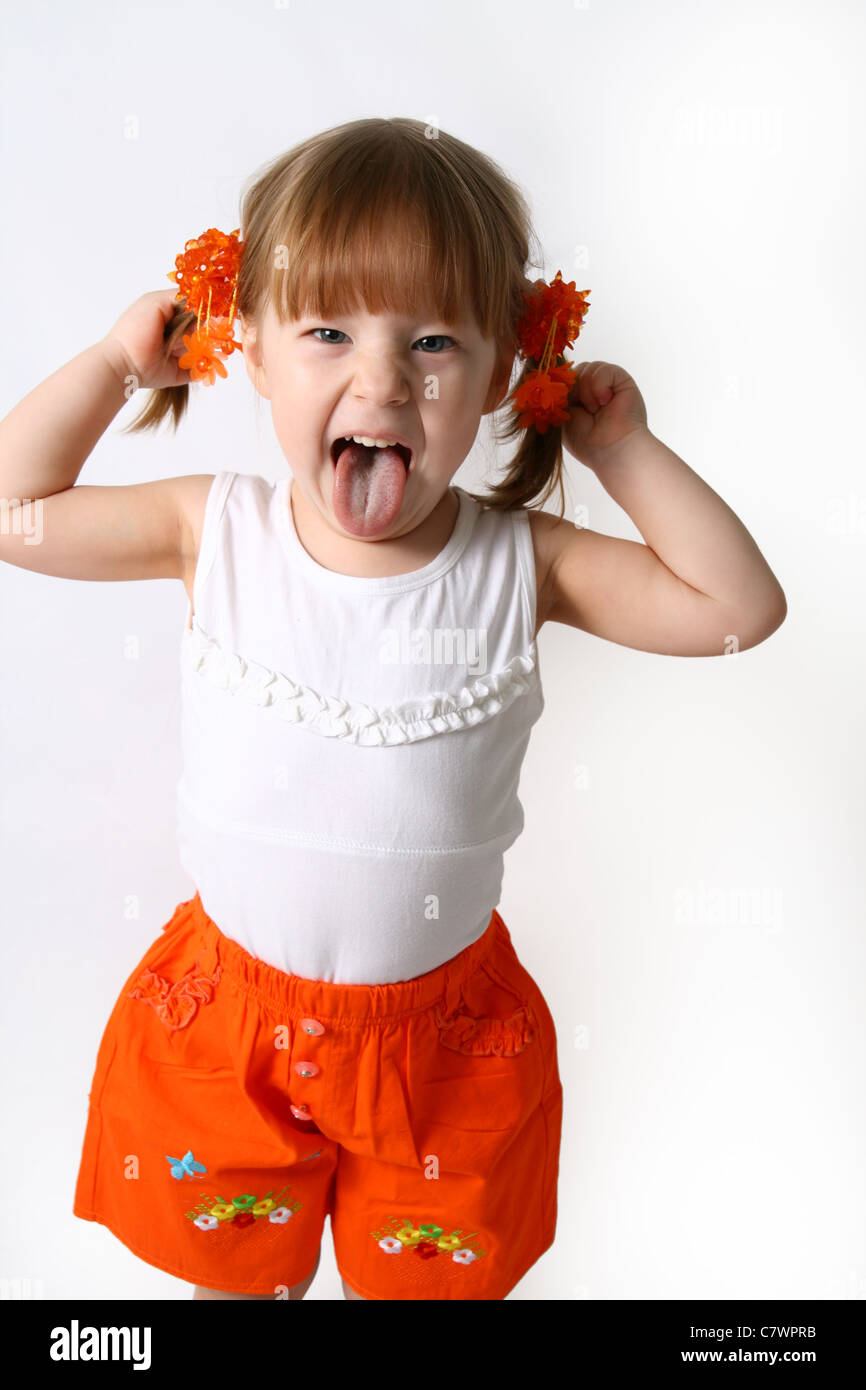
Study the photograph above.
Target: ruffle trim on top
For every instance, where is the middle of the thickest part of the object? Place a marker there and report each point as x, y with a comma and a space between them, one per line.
359, 723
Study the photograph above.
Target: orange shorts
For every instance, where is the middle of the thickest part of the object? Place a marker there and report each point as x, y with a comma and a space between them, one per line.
233, 1106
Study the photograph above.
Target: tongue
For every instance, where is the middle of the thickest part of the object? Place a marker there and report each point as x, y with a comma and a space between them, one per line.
368, 489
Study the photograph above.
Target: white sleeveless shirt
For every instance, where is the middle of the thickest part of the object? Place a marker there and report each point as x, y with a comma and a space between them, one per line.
352, 746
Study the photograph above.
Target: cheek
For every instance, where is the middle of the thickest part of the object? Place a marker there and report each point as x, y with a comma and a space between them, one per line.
294, 393
287, 420
457, 411
280, 413
297, 427
450, 410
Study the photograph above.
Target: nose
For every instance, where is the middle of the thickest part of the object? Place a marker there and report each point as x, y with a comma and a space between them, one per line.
380, 379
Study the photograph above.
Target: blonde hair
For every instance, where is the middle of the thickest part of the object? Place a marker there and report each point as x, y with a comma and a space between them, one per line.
379, 212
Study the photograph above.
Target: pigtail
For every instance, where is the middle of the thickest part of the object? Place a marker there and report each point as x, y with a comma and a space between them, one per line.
537, 467
166, 400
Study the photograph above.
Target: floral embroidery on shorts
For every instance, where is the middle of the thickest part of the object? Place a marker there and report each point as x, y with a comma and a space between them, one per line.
213, 1212
427, 1241
175, 1004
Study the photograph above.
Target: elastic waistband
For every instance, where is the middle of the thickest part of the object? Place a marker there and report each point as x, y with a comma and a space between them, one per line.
293, 994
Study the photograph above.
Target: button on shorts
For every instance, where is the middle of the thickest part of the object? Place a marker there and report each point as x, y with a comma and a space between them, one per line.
234, 1106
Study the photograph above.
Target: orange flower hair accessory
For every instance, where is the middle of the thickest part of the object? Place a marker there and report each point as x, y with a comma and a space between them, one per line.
206, 274
552, 319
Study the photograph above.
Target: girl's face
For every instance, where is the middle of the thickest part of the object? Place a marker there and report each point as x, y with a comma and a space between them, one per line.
420, 380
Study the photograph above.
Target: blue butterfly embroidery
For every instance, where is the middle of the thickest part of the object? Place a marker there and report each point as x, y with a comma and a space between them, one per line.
187, 1165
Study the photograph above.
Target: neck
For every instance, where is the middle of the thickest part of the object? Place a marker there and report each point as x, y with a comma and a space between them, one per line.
419, 542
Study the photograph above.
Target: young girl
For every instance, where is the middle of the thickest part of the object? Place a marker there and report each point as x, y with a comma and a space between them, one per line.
337, 1022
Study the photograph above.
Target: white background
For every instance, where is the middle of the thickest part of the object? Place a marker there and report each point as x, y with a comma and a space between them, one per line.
688, 891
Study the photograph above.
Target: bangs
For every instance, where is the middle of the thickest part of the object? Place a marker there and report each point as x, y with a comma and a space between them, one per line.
376, 235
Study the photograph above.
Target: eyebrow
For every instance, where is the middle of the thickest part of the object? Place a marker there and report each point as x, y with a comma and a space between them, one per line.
398, 319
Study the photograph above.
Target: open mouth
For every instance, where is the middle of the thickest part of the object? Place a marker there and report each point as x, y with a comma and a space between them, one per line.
402, 449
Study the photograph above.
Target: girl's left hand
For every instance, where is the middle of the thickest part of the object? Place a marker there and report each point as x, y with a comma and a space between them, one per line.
605, 408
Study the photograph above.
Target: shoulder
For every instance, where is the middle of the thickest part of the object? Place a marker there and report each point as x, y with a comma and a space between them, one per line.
548, 532
193, 491
192, 494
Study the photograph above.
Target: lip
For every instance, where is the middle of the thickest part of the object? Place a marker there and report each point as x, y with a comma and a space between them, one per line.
377, 434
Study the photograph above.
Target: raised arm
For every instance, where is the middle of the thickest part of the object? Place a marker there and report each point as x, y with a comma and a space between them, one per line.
50, 525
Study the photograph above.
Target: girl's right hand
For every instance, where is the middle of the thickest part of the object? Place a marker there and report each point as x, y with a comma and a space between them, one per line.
139, 336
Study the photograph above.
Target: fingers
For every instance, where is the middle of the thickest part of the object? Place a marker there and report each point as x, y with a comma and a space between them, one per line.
594, 384
165, 300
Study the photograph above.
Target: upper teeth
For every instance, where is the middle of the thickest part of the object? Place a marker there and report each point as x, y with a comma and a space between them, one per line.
372, 443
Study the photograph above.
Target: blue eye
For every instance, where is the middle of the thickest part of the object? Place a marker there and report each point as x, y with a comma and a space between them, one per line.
327, 330
432, 337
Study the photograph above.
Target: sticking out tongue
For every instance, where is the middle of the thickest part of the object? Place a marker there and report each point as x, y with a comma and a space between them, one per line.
368, 488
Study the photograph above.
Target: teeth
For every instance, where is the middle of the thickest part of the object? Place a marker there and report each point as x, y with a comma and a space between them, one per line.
371, 443
382, 443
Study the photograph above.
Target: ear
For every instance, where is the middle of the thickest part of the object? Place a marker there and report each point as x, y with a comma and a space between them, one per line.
499, 381
252, 355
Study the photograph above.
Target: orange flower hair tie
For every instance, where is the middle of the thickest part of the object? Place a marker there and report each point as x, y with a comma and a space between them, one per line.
552, 319
206, 274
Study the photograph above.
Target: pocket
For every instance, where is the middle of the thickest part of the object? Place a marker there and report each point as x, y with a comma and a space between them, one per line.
175, 992
493, 1018
476, 1082
175, 1001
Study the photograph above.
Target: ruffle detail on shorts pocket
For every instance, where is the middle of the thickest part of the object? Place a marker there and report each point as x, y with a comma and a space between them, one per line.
488, 1037
175, 1004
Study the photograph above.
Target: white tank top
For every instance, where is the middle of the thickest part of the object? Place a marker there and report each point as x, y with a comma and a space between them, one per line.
351, 746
